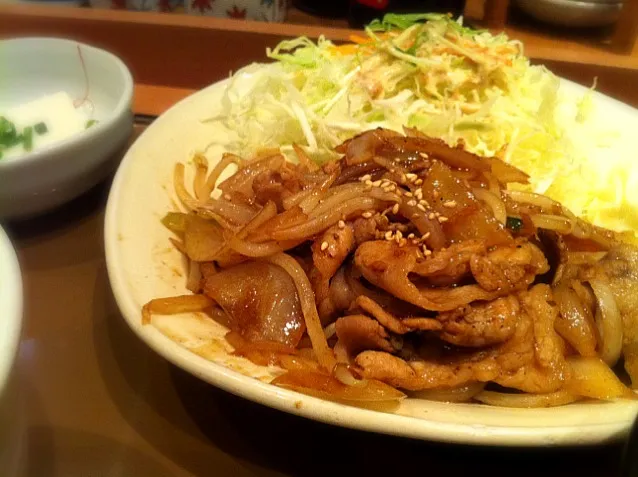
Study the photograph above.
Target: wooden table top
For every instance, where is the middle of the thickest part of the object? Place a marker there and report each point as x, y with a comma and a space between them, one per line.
93, 400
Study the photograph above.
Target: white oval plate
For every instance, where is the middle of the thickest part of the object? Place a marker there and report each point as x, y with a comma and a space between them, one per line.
143, 265
10, 308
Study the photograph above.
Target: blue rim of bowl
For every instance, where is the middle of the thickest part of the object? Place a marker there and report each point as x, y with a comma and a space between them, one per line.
124, 103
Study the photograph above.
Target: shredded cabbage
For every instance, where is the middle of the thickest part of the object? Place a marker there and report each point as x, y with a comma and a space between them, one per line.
438, 76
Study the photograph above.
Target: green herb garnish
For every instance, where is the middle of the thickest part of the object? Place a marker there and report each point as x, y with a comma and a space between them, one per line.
27, 138
514, 223
10, 137
90, 122
41, 128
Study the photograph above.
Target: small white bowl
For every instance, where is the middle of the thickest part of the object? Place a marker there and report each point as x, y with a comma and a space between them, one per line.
48, 177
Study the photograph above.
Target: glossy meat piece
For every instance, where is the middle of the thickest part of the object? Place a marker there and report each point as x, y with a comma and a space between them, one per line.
621, 266
508, 268
386, 265
328, 254
548, 370
261, 302
391, 322
531, 360
359, 332
481, 324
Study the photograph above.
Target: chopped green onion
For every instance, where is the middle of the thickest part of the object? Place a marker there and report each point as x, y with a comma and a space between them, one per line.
90, 122
514, 223
27, 138
41, 128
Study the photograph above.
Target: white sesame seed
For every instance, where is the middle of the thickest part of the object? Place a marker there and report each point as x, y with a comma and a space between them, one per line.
367, 177
410, 236
431, 216
399, 234
393, 187
425, 250
428, 253
411, 176
368, 182
386, 189
425, 236
376, 183
366, 215
342, 224
436, 214
421, 207
418, 182
424, 202
324, 246
395, 209
423, 155
408, 194
402, 242
403, 177
388, 235
443, 219
450, 204
412, 203
418, 194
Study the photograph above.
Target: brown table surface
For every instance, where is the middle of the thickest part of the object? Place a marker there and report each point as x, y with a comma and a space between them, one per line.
99, 403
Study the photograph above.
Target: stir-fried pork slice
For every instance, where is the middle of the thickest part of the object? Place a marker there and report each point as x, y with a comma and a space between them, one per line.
509, 268
391, 322
358, 333
481, 324
386, 265
621, 266
548, 370
328, 254
447, 266
531, 360
261, 301
363, 147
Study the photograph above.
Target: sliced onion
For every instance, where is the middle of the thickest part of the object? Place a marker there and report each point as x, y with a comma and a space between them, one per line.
532, 198
339, 194
330, 330
557, 223
324, 354
319, 223
199, 183
585, 258
343, 374
558, 398
304, 159
258, 250
493, 201
211, 182
180, 189
609, 322
193, 282
174, 305
463, 393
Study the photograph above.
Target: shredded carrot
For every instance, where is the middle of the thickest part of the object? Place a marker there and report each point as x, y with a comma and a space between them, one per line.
346, 49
